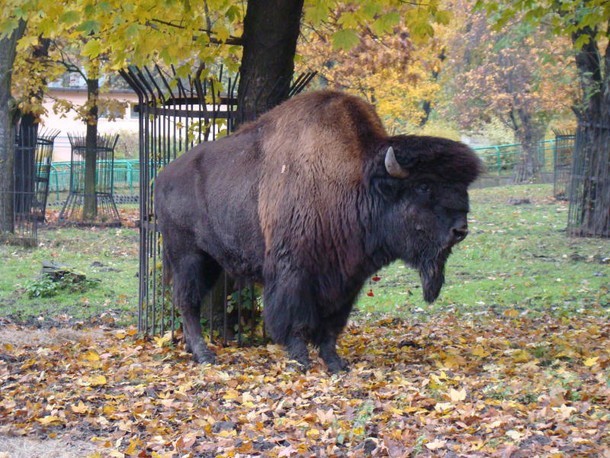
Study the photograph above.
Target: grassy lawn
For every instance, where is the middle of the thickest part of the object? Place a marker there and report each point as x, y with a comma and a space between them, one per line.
516, 260
107, 257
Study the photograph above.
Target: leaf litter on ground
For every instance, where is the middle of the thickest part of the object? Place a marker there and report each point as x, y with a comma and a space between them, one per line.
487, 385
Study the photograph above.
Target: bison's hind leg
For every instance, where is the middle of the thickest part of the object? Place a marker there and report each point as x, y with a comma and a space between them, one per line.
194, 274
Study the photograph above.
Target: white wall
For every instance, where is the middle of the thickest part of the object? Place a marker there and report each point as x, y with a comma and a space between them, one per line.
70, 124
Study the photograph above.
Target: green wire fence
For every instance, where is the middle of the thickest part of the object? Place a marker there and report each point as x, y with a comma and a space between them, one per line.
500, 161
126, 178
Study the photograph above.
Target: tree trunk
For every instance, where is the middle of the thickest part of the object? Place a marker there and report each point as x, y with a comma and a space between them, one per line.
589, 213
590, 185
90, 204
427, 104
271, 29
8, 47
530, 133
25, 155
25, 167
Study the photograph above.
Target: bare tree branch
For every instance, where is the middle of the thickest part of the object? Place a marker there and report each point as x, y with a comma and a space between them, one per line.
232, 40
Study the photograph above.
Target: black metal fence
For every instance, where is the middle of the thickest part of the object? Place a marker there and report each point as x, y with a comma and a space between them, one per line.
98, 194
563, 153
176, 114
32, 165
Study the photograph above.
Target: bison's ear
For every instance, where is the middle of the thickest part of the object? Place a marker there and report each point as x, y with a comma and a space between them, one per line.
392, 166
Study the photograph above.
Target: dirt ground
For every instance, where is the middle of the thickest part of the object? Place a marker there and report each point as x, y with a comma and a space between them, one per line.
24, 447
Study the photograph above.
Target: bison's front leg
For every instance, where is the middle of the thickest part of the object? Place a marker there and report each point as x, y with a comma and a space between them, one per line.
296, 345
328, 353
191, 281
326, 339
291, 315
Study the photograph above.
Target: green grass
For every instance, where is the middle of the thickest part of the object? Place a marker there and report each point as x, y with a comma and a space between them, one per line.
109, 257
517, 259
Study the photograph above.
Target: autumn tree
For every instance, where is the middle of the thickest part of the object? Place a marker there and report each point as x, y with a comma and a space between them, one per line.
29, 93
41, 60
391, 59
586, 23
90, 69
97, 37
198, 34
8, 46
514, 75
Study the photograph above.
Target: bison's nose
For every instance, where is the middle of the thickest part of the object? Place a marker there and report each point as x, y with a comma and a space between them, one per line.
459, 232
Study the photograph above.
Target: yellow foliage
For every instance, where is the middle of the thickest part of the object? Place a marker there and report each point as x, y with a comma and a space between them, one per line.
388, 71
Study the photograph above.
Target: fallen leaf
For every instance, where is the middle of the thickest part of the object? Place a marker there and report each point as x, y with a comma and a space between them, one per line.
457, 395
480, 352
514, 435
96, 380
443, 406
92, 356
565, 411
436, 444
80, 408
591, 361
50, 420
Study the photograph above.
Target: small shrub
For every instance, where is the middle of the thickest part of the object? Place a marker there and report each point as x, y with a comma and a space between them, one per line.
42, 287
49, 286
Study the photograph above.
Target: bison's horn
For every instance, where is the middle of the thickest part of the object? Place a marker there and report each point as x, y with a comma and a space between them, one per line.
392, 165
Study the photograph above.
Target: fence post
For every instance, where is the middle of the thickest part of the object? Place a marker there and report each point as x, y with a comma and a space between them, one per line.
129, 177
54, 173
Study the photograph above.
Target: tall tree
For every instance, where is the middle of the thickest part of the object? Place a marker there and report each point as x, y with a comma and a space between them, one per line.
389, 54
271, 30
25, 168
90, 68
510, 75
587, 24
8, 46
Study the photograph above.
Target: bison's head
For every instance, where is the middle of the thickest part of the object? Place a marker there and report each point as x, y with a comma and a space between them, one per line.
424, 183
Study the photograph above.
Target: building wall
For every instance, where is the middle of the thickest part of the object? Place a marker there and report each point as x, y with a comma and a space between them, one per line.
69, 123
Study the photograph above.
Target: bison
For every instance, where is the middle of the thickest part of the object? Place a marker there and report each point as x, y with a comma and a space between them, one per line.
310, 200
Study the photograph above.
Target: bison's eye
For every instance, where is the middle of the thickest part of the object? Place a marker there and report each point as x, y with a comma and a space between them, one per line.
423, 188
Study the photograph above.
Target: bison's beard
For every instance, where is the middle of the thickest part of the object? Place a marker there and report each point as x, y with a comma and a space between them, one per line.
432, 274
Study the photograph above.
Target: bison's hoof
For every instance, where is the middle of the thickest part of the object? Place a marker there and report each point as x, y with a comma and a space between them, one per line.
204, 357
338, 365
295, 365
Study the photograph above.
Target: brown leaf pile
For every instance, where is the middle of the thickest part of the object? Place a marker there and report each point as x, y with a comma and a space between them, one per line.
129, 217
506, 386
